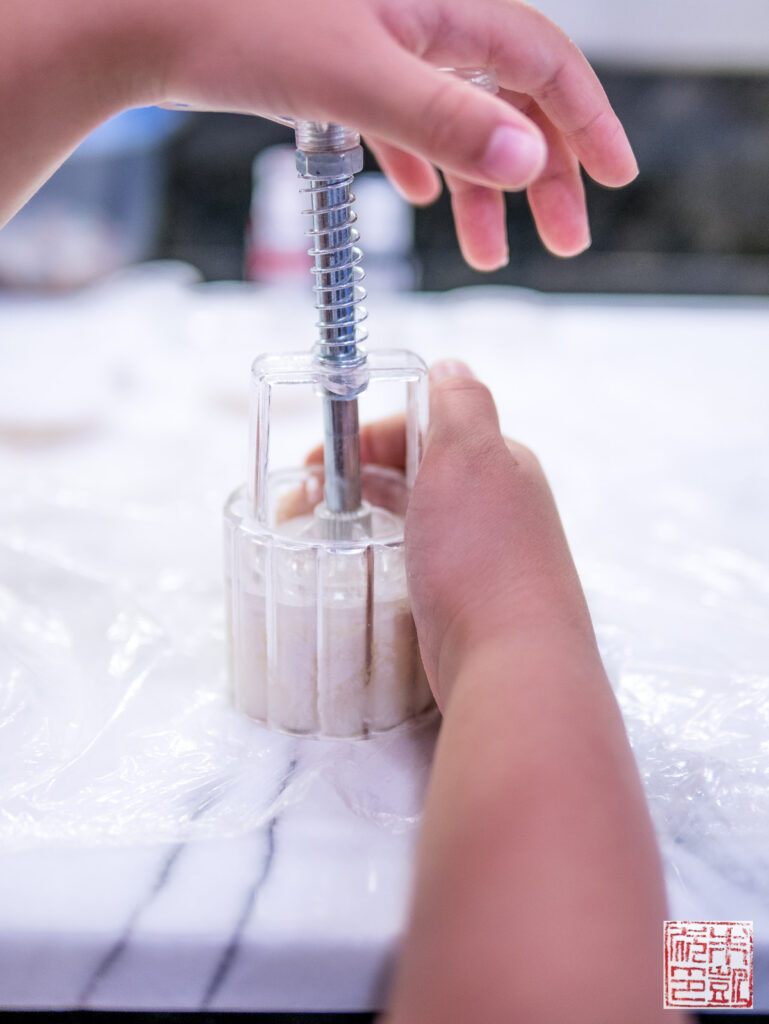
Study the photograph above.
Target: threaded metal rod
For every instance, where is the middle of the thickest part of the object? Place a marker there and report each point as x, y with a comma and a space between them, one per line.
327, 157
337, 294
335, 291
334, 269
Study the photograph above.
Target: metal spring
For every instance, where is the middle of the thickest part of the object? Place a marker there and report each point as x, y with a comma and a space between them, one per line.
338, 290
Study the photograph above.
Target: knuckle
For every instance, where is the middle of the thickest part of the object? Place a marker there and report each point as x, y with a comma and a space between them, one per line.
553, 81
595, 124
483, 452
551, 84
526, 461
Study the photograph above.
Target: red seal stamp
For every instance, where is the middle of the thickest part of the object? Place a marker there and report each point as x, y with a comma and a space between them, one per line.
708, 964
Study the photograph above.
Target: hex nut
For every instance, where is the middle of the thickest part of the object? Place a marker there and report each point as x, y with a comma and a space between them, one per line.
329, 165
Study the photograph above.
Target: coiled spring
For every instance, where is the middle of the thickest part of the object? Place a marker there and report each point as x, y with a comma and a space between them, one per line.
338, 291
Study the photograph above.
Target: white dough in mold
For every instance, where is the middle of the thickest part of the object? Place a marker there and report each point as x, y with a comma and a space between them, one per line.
339, 657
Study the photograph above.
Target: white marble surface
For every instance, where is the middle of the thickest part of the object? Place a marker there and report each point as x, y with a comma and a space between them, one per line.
157, 851
302, 914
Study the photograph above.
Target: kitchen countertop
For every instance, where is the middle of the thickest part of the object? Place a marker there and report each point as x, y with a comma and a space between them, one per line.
159, 852
301, 914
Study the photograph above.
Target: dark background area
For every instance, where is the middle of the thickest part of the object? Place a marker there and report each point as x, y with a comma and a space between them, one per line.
695, 221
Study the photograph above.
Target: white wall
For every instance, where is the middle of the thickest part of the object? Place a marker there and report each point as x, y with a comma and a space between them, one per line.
709, 34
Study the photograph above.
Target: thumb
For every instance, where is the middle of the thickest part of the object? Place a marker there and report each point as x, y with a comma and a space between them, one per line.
462, 409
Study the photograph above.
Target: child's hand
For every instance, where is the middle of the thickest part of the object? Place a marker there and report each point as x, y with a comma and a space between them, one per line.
485, 551
535, 812
486, 554
372, 64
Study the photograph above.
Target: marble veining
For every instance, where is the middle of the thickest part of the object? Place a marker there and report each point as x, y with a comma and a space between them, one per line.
115, 951
232, 948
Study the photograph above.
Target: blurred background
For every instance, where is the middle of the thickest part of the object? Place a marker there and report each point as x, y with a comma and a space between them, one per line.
691, 85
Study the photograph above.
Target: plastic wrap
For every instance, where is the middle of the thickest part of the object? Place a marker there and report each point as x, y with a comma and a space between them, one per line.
115, 721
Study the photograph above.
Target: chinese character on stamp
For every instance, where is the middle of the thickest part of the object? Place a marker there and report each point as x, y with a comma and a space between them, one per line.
708, 964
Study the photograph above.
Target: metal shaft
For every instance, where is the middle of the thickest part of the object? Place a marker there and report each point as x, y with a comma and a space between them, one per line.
342, 455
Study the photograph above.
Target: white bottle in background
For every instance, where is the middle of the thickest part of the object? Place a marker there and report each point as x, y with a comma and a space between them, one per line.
276, 239
276, 243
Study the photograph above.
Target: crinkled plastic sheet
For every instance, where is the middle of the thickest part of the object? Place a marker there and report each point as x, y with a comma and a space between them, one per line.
115, 718
700, 739
115, 722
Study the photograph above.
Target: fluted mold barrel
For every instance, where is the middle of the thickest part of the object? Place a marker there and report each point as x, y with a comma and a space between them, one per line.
321, 636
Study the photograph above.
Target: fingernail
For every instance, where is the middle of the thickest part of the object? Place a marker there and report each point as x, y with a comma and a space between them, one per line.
491, 265
585, 242
513, 157
449, 368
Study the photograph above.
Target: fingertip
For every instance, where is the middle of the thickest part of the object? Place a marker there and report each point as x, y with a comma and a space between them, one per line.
583, 245
628, 160
569, 246
384, 442
462, 407
315, 457
446, 368
618, 165
486, 263
430, 197
416, 180
628, 176
480, 218
621, 175
514, 156
558, 205
421, 192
